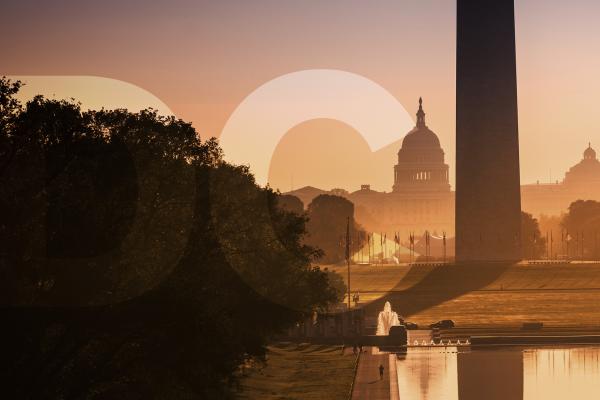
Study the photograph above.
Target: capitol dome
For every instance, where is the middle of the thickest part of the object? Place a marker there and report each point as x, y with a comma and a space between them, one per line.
589, 153
421, 135
421, 163
587, 172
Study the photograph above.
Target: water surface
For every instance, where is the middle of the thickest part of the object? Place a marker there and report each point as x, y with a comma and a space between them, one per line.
505, 373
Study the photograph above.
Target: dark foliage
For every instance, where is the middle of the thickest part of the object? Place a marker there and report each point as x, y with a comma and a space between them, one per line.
582, 223
134, 262
533, 245
328, 216
291, 203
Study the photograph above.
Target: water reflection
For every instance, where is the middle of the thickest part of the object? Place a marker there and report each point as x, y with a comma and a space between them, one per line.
562, 373
508, 374
428, 374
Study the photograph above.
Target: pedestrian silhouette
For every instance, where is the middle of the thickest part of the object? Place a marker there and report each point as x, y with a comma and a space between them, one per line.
381, 369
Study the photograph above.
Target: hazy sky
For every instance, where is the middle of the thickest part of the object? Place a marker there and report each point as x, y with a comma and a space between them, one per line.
202, 58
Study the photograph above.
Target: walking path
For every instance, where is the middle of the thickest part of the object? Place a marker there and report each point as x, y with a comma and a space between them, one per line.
367, 385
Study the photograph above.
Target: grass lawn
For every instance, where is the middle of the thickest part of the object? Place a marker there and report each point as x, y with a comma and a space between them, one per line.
301, 371
558, 295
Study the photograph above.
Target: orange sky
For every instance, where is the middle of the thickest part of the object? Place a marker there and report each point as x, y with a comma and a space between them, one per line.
203, 58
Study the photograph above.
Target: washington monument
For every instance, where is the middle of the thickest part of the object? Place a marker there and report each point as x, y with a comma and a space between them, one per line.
488, 203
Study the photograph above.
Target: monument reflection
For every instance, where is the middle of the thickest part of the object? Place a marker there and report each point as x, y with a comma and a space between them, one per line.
509, 374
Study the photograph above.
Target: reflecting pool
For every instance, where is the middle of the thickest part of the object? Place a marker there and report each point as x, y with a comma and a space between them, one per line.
505, 373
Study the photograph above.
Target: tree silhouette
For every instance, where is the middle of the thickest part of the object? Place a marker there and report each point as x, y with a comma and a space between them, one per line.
135, 262
328, 216
533, 244
583, 224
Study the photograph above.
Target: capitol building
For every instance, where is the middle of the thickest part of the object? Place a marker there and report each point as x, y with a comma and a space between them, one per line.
421, 197
581, 182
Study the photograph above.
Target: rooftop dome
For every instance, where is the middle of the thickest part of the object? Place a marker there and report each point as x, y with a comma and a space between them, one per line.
586, 172
589, 153
421, 165
421, 136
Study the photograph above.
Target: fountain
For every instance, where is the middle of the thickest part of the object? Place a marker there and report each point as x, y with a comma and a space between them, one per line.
387, 318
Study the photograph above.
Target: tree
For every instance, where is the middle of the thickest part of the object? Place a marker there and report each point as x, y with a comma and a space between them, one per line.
336, 281
533, 244
135, 261
291, 203
328, 216
583, 224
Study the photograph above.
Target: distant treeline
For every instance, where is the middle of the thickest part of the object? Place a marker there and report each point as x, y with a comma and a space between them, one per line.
575, 234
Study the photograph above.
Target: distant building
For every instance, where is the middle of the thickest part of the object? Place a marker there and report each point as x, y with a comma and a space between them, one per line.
421, 198
581, 182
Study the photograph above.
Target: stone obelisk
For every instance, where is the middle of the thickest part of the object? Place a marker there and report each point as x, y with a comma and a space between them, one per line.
488, 201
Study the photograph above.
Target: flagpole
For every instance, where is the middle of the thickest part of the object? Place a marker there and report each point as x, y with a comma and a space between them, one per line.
533, 247
381, 248
412, 247
444, 247
567, 245
369, 247
581, 245
410, 256
348, 259
384, 248
562, 241
396, 246
362, 249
